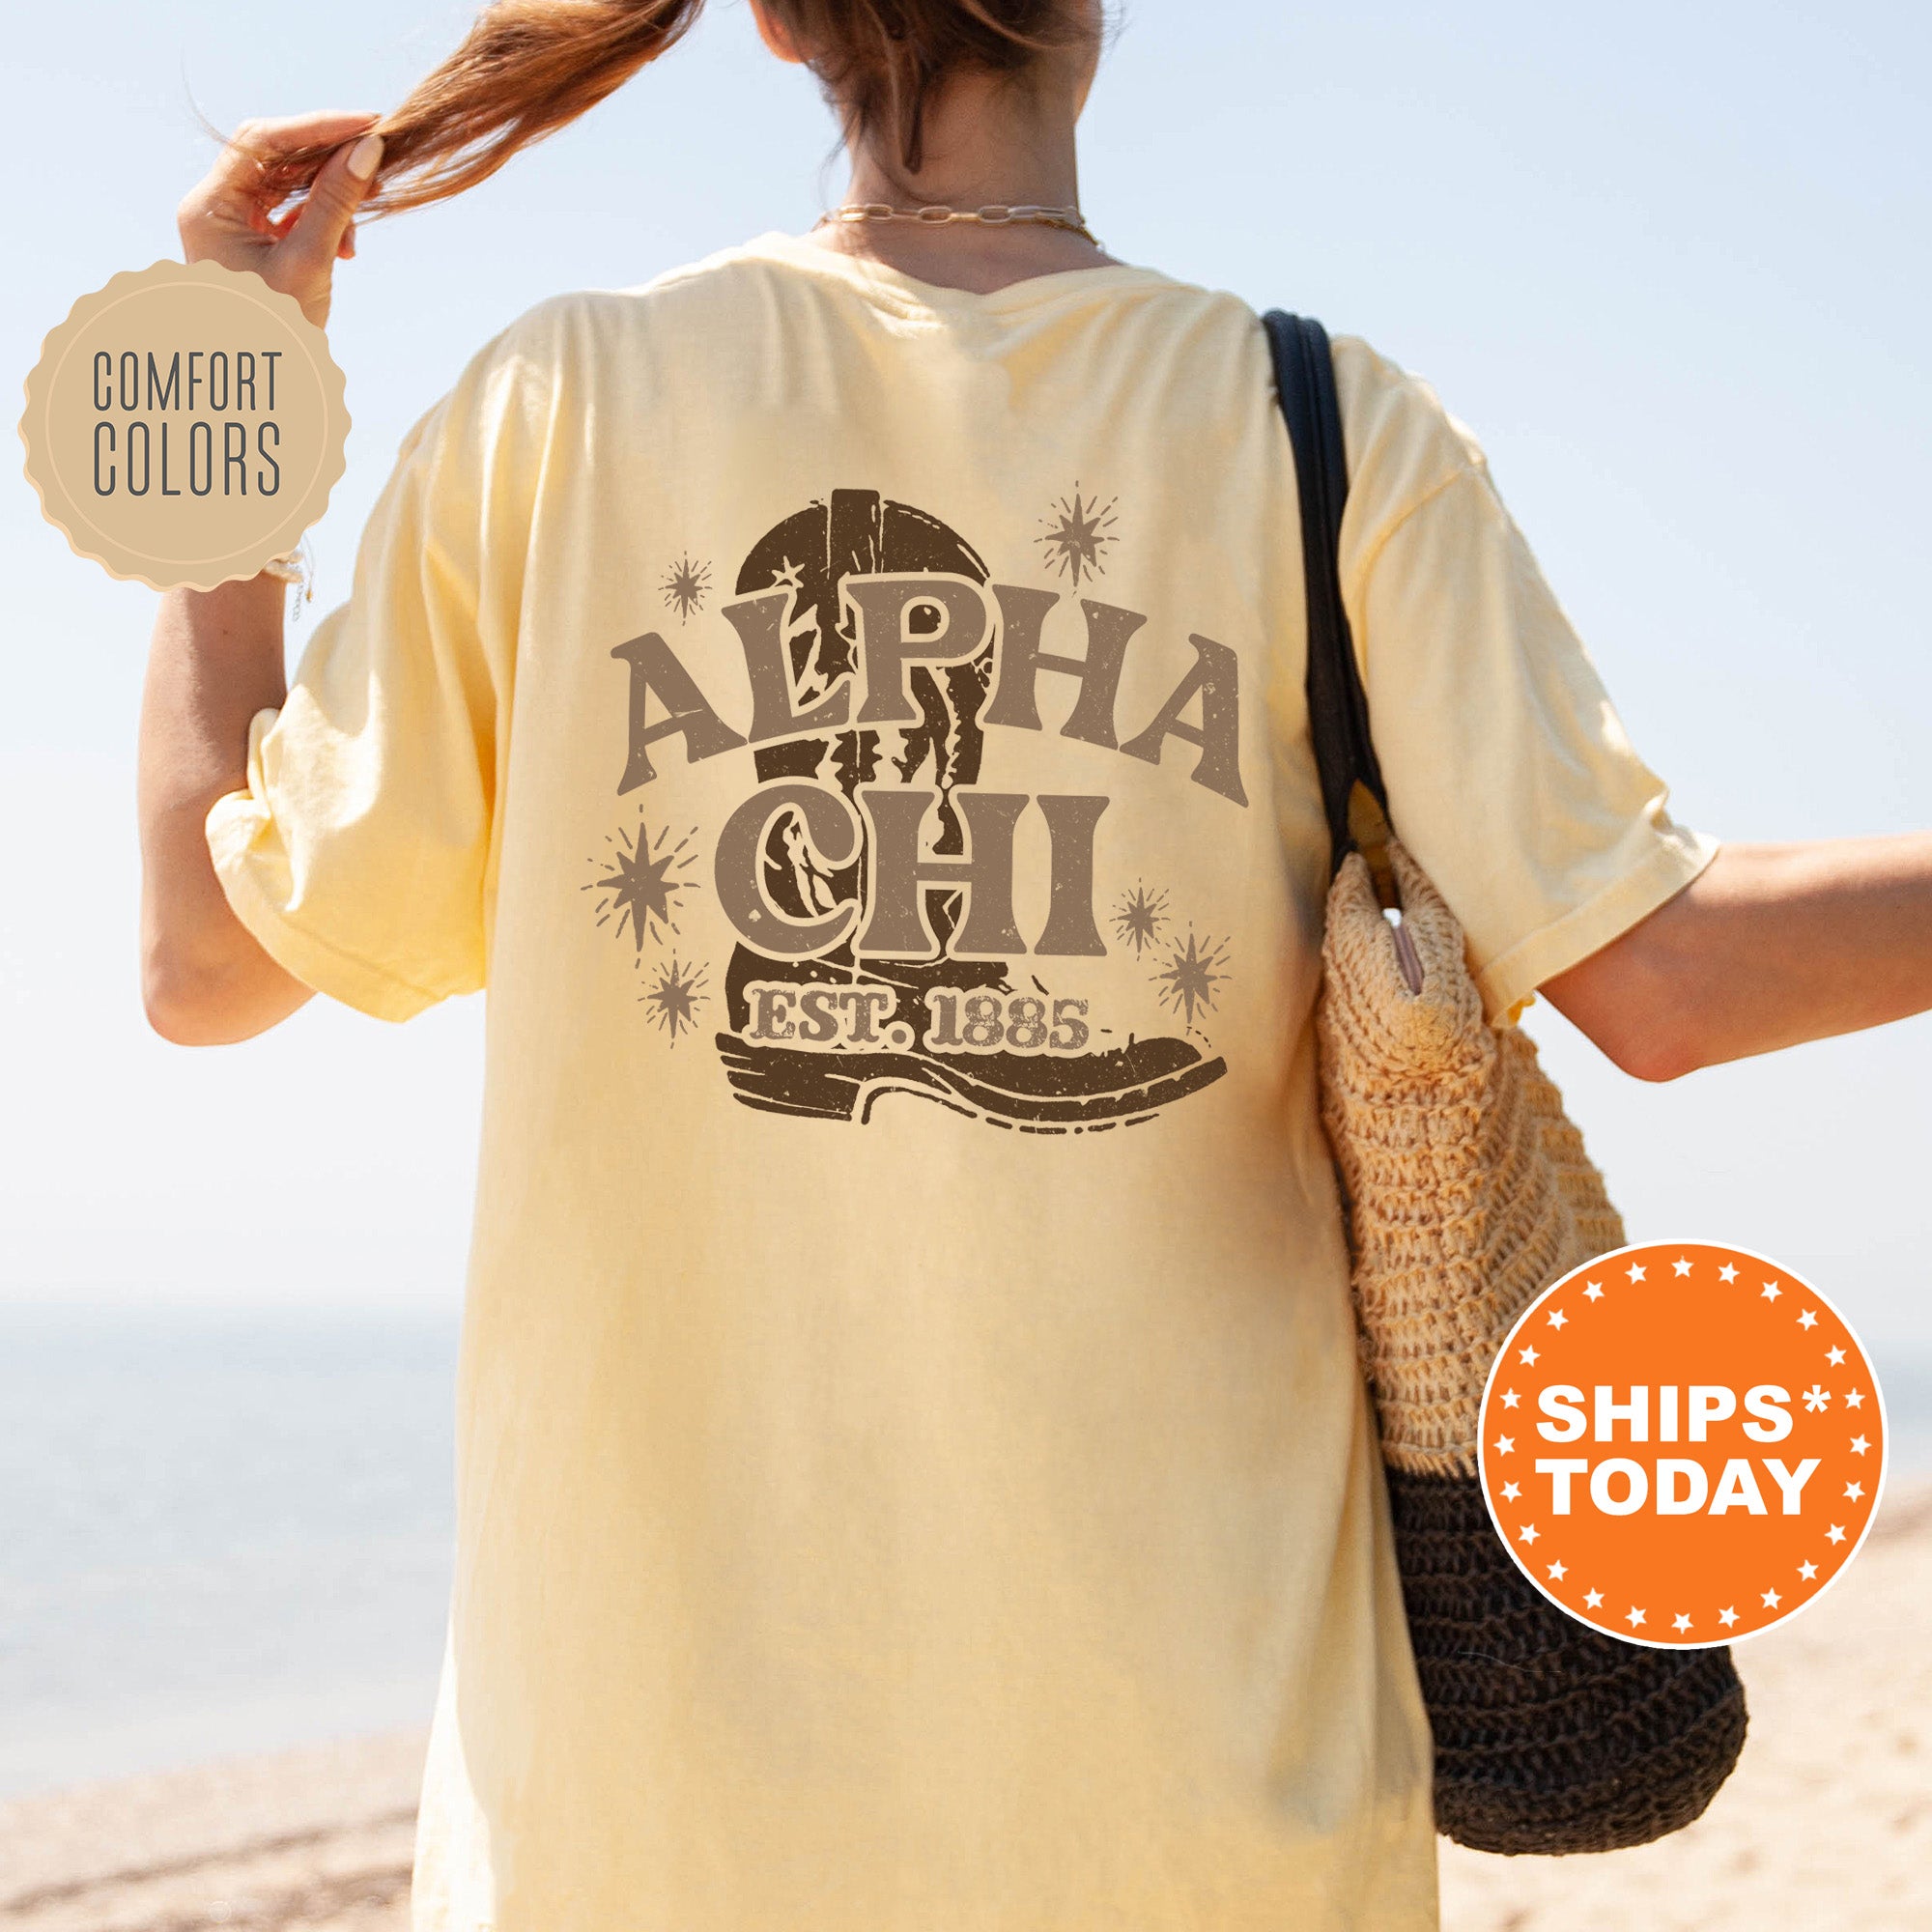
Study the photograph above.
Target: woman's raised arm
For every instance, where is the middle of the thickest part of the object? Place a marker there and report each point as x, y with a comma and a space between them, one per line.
216, 657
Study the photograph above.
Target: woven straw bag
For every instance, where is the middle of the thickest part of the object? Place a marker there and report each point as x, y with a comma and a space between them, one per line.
1469, 1192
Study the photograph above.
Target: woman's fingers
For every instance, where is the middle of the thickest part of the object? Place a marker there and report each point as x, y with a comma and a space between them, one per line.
238, 165
229, 218
230, 198
315, 241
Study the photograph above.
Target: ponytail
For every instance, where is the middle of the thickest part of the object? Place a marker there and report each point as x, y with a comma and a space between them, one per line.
527, 67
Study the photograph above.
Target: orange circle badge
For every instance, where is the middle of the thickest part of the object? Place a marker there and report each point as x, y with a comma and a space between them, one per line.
1682, 1443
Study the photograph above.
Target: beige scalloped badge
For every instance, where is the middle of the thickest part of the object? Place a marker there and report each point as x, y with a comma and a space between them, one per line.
185, 424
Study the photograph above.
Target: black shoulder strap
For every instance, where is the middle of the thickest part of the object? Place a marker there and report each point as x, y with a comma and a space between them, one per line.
1338, 707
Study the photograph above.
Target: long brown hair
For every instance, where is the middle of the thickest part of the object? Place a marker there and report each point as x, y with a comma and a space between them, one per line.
527, 67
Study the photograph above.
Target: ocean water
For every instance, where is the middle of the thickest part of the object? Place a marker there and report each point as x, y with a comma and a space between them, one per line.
219, 1532
225, 1532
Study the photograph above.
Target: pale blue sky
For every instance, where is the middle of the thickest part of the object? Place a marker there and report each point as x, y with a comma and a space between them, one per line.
1669, 261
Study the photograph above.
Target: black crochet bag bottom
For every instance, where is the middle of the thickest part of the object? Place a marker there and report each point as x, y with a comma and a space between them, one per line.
1550, 1736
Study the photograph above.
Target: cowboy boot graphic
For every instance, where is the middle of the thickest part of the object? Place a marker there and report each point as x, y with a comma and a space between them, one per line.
859, 533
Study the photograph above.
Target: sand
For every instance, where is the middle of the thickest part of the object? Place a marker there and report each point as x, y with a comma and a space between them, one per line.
1826, 1824
315, 1838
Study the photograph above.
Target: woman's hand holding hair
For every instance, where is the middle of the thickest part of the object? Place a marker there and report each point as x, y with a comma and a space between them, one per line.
231, 215
216, 658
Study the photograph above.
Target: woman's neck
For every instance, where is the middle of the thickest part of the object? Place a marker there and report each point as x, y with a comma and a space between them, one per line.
987, 144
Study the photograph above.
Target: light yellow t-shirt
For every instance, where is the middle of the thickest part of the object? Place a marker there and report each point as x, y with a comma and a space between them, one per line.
914, 1473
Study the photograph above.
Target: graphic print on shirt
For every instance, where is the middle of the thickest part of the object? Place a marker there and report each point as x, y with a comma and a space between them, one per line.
869, 876
1077, 536
637, 887
685, 587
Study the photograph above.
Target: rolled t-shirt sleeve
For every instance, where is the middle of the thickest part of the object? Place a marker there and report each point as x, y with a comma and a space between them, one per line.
1511, 778
360, 852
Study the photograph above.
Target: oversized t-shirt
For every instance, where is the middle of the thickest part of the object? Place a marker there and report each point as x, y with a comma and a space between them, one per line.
913, 1474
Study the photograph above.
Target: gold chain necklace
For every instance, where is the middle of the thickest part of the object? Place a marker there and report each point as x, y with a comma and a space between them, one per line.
936, 214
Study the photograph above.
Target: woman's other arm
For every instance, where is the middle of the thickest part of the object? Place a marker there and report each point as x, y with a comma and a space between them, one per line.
1768, 947
216, 657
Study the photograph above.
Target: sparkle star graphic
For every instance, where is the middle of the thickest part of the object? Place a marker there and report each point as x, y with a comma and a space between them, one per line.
1511, 1491
1770, 1291
1189, 981
1680, 1267
1557, 1317
1634, 1617
1527, 1355
1835, 1534
639, 889
1771, 1600
1835, 1357
1557, 1572
1680, 1621
1818, 1398
1854, 1399
1808, 1570
788, 575
1809, 1320
1139, 918
1511, 1397
1076, 534
1635, 1272
1727, 1616
675, 996
1727, 1272
1527, 1533
1505, 1446
1594, 1292
685, 587
1859, 1444
1853, 1492
1593, 1599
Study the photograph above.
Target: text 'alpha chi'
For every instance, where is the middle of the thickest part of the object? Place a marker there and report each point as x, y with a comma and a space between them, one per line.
900, 619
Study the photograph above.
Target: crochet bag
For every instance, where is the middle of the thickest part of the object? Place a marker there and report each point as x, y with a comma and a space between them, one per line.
1469, 1192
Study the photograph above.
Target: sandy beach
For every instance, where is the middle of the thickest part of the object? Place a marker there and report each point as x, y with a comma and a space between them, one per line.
1828, 1822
